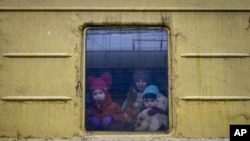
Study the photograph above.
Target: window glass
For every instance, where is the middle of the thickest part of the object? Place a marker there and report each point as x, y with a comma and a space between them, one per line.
126, 79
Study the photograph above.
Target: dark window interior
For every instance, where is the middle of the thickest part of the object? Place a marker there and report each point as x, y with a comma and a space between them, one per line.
121, 50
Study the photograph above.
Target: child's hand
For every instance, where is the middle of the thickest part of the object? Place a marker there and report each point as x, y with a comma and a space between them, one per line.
106, 121
128, 119
94, 121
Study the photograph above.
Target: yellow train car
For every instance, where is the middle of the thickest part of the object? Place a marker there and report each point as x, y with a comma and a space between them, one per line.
197, 53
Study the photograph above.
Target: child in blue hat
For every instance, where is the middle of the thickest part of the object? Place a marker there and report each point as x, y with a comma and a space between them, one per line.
150, 95
154, 116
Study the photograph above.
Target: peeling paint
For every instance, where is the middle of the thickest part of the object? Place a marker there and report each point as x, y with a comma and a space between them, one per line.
190, 31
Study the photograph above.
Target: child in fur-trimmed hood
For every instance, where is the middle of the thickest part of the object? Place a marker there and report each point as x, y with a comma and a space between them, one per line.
133, 102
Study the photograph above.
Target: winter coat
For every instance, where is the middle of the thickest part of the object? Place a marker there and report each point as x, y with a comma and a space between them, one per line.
131, 108
134, 100
107, 108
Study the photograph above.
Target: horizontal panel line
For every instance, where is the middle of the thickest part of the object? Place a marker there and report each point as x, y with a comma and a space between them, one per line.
36, 98
215, 55
123, 9
13, 55
216, 98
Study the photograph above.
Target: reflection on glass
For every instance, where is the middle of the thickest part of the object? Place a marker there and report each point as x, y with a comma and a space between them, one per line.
127, 79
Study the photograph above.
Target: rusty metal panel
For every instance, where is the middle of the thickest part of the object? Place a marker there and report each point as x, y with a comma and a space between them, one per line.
42, 54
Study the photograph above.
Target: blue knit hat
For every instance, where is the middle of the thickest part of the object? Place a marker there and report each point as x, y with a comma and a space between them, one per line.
152, 90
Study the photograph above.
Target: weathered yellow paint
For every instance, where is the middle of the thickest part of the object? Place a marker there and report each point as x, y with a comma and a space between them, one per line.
46, 37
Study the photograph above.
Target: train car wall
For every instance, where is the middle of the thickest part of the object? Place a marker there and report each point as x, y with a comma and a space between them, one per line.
42, 81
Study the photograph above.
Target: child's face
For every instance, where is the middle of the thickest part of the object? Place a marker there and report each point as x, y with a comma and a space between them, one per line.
141, 85
98, 95
149, 102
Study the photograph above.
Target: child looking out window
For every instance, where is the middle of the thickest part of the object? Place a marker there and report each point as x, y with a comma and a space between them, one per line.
102, 113
133, 103
154, 116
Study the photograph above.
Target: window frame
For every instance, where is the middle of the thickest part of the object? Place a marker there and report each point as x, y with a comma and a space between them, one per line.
83, 78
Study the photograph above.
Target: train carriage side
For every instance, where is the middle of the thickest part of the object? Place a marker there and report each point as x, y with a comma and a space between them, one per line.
203, 67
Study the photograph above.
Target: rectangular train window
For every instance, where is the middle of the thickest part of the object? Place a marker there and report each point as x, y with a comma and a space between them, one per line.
126, 79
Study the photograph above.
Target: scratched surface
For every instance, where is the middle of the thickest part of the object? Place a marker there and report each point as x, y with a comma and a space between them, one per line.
59, 32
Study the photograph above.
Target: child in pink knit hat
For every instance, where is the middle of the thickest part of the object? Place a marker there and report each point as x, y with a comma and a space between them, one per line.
103, 113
